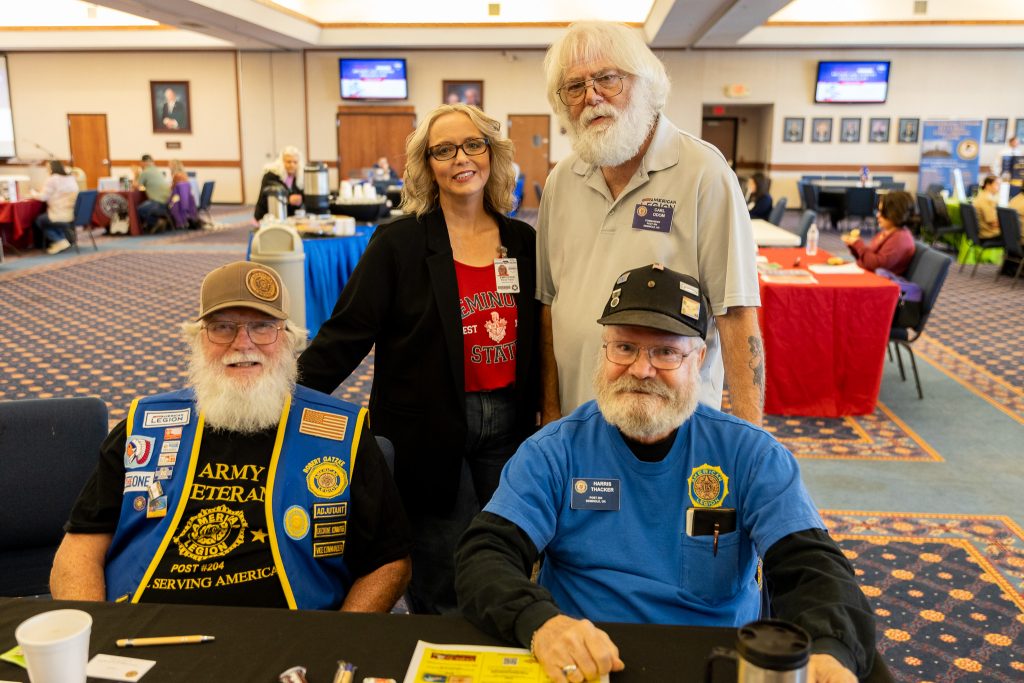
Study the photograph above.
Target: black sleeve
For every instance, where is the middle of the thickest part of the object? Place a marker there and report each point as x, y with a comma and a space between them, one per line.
98, 507
362, 310
493, 562
261, 200
812, 584
378, 530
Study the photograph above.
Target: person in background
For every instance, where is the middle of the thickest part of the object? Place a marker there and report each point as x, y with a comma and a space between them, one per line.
284, 173
153, 212
382, 170
759, 201
985, 203
178, 174
893, 247
59, 192
244, 488
650, 507
637, 189
454, 335
1017, 204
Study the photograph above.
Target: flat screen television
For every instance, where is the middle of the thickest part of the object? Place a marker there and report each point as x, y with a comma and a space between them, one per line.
373, 79
852, 82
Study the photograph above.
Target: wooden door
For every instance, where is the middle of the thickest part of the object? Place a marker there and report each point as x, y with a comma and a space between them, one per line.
367, 133
529, 133
721, 132
90, 150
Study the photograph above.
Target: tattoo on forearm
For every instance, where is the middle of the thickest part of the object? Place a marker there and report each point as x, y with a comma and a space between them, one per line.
756, 362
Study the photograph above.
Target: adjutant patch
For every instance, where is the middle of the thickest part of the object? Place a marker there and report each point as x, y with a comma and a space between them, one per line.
261, 285
708, 486
329, 510
137, 451
323, 424
296, 523
325, 477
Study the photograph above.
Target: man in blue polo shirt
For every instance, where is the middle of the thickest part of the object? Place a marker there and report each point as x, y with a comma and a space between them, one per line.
652, 508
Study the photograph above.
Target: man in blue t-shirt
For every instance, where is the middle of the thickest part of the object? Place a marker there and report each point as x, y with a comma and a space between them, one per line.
651, 508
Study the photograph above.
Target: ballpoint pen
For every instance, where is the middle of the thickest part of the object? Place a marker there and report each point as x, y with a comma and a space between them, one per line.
163, 640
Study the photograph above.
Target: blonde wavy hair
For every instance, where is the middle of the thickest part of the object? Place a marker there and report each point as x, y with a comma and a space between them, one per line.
420, 193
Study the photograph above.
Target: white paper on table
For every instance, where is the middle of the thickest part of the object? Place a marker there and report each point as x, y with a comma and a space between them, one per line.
115, 668
848, 268
422, 647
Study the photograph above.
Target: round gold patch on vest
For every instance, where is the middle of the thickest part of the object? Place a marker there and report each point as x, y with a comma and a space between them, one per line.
262, 285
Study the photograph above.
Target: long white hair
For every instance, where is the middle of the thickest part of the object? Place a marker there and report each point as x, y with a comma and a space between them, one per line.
277, 165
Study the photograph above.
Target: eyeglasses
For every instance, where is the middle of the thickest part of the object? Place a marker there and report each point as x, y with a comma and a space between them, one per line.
261, 332
447, 150
608, 85
661, 357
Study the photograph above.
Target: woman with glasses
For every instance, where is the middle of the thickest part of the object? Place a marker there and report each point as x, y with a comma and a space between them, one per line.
444, 295
893, 247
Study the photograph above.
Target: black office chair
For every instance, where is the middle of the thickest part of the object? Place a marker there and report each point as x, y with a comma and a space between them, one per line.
85, 203
926, 216
206, 200
969, 217
943, 224
860, 204
805, 225
809, 197
48, 449
777, 212
928, 269
1009, 227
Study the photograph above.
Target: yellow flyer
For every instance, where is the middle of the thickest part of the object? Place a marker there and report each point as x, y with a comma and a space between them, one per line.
433, 663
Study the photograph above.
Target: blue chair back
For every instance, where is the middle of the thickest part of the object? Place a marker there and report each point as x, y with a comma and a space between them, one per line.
1009, 226
777, 212
929, 272
860, 201
85, 204
805, 226
206, 196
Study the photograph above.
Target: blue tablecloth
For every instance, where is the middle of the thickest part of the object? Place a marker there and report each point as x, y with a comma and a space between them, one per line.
329, 264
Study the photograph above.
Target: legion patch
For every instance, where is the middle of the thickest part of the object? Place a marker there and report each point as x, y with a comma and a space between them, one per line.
328, 510
326, 477
323, 424
262, 285
296, 523
139, 504
212, 533
137, 451
708, 486
166, 418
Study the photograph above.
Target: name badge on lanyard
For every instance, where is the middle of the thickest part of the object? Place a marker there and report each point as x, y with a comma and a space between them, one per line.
654, 215
595, 494
506, 275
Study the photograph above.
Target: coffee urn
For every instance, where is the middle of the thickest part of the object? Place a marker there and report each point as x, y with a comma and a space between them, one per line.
315, 188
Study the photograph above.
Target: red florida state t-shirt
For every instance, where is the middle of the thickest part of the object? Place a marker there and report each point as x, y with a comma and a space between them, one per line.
489, 321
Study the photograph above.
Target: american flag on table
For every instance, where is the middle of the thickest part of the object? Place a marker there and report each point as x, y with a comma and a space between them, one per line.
326, 425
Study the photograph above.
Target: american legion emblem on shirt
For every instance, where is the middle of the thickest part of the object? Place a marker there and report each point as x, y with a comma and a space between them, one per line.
708, 486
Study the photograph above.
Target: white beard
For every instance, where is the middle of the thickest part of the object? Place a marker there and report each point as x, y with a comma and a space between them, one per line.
242, 405
615, 143
653, 414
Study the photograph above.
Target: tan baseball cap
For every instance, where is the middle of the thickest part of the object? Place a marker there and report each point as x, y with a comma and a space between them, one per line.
245, 284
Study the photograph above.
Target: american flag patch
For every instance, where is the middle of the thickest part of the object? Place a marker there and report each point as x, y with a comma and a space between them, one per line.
324, 425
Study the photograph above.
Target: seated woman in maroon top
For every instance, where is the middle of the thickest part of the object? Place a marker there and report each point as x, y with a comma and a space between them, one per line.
893, 247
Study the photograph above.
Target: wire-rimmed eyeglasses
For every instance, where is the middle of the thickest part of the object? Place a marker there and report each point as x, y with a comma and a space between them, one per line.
447, 150
661, 357
608, 85
261, 332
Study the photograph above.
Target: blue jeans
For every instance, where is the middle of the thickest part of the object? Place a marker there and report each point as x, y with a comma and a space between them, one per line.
150, 211
52, 232
490, 442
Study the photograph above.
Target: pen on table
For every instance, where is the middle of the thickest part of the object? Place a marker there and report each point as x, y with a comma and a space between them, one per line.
163, 640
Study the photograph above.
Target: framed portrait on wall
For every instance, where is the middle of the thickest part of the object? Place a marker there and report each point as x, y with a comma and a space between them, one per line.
465, 92
995, 131
878, 130
821, 130
1018, 129
907, 130
170, 104
849, 130
793, 129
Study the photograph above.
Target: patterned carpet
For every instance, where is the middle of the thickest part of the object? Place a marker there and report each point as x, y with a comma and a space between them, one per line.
948, 590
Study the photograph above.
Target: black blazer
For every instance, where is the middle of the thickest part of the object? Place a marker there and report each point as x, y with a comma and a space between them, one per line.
403, 296
271, 179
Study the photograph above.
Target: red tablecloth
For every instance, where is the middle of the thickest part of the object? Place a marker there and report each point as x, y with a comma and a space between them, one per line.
101, 216
16, 221
825, 342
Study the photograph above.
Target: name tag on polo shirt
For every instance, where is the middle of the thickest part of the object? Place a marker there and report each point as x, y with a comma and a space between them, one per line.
654, 214
595, 494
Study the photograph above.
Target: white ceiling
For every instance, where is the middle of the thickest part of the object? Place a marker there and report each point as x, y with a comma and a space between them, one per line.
359, 24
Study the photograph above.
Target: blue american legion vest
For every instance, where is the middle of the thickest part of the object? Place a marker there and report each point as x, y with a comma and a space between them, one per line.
307, 502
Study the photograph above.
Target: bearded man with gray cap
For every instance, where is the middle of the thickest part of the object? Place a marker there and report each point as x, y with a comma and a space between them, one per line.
636, 189
244, 488
649, 507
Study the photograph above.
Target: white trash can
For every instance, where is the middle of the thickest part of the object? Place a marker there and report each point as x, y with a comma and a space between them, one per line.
279, 246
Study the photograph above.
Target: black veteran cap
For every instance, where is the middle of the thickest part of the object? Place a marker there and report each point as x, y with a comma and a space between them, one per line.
656, 297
